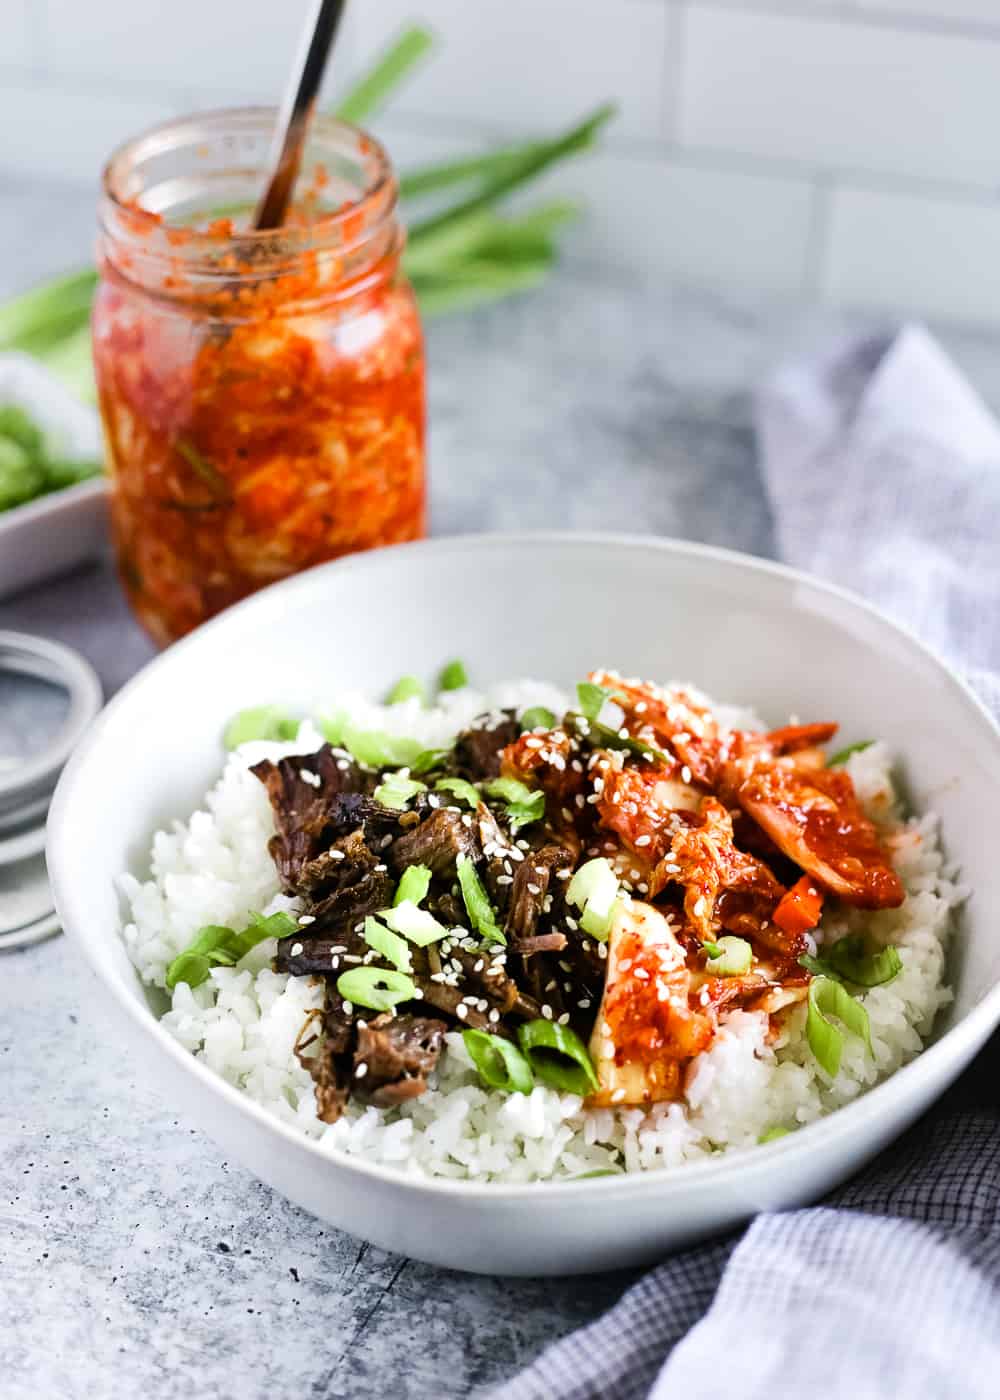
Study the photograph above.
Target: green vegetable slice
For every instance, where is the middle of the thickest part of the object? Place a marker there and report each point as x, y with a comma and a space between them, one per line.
477, 904
524, 805
414, 923
413, 885
772, 1135
395, 790
389, 944
259, 722
406, 688
377, 988
458, 787
602, 736
592, 698
853, 959
733, 958
537, 717
377, 749
499, 1063
594, 890
453, 676
216, 945
427, 759
827, 998
842, 755
558, 1056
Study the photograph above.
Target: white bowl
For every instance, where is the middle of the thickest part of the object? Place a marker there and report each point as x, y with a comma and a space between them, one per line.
548, 606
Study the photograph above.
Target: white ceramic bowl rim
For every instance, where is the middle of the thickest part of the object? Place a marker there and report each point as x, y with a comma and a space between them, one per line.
806, 1140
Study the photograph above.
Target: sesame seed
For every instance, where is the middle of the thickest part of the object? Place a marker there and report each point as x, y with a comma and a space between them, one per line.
361, 1071
685, 774
547, 1012
534, 889
493, 1017
583, 1003
461, 1011
563, 1019
617, 1096
296, 949
305, 919
348, 1008
335, 854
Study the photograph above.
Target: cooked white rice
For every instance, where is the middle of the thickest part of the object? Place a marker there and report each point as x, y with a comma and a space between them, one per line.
215, 868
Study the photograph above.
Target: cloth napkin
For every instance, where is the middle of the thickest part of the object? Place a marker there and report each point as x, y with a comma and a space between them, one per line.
883, 469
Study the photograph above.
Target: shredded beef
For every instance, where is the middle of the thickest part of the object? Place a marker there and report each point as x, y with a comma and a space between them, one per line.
397, 1053
477, 751
301, 790
528, 894
436, 842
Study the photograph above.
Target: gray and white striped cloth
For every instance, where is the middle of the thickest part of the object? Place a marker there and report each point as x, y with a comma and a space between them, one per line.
883, 469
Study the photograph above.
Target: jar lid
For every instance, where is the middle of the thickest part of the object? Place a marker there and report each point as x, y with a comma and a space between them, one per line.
27, 780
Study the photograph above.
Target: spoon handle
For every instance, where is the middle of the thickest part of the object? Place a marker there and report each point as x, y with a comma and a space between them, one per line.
296, 110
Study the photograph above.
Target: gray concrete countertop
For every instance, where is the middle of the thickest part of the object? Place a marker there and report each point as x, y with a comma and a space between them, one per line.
134, 1259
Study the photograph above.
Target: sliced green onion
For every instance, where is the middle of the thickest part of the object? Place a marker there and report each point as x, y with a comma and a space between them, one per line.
594, 890
712, 950
524, 804
428, 759
592, 698
733, 958
558, 1056
395, 790
261, 722
331, 726
371, 91
852, 959
453, 677
377, 749
389, 944
458, 787
406, 688
477, 904
413, 885
414, 923
604, 737
217, 945
842, 755
830, 998
772, 1135
376, 988
598, 1171
538, 717
499, 1063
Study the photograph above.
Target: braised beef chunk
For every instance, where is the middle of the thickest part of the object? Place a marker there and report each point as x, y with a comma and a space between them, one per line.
347, 860
529, 892
477, 751
323, 1047
393, 1057
344, 908
436, 843
301, 789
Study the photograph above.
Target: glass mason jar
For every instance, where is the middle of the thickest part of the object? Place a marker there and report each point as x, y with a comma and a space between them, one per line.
261, 393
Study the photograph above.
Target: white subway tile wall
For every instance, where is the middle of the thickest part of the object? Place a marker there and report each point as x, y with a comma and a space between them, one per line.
848, 149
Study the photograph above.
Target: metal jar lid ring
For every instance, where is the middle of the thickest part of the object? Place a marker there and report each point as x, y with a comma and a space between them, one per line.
61, 666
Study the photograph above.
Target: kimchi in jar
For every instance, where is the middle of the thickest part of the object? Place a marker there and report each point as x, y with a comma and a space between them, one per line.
262, 393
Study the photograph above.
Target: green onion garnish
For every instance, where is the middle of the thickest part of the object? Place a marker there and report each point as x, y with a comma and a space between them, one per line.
499, 1063
477, 904
772, 1135
453, 677
594, 890
604, 737
427, 759
830, 998
377, 988
261, 722
406, 688
413, 885
218, 946
395, 790
733, 958
458, 787
842, 755
538, 717
389, 944
524, 804
558, 1056
712, 950
415, 924
377, 749
592, 698
853, 959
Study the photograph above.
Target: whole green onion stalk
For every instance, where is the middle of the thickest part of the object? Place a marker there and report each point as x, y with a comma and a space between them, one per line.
460, 255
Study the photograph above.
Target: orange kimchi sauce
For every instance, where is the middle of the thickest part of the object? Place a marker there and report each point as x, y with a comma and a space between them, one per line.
256, 434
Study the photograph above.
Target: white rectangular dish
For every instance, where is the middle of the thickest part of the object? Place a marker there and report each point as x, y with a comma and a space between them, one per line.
54, 533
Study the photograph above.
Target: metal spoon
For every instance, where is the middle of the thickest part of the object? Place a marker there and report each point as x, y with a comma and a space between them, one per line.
296, 111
